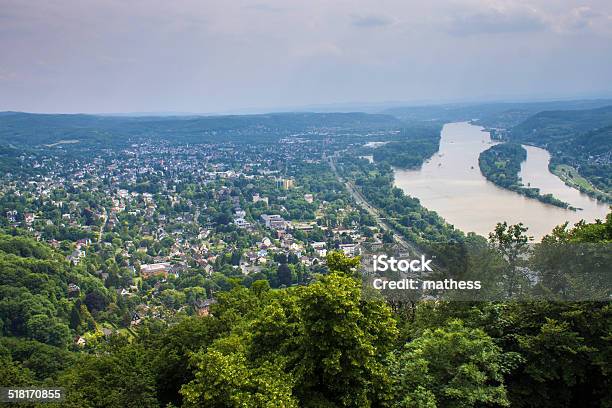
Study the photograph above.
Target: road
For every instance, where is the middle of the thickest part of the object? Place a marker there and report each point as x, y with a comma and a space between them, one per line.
373, 211
105, 218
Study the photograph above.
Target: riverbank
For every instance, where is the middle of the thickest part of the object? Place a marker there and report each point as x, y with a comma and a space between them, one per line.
501, 164
573, 179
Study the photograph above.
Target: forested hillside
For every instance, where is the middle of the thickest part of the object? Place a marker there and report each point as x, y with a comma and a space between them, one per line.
10, 161
321, 345
34, 293
548, 126
580, 143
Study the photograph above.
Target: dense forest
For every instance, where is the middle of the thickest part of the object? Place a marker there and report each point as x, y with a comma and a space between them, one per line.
34, 297
414, 145
501, 164
321, 345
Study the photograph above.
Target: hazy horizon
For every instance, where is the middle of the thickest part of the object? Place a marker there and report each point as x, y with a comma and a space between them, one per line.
340, 107
109, 57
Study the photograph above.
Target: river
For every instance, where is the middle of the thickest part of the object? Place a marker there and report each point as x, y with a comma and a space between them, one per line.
451, 184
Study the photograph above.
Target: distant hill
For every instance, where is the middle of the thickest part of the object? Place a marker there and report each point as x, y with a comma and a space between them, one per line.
496, 114
587, 130
580, 139
544, 126
597, 142
27, 129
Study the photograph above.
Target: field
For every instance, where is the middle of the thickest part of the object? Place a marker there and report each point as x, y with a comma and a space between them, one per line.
572, 178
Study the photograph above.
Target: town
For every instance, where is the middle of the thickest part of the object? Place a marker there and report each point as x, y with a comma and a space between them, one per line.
165, 227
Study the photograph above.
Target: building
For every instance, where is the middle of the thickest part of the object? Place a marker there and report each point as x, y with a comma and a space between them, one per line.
136, 319
29, 218
241, 223
76, 256
349, 249
155, 269
73, 290
274, 221
320, 248
11, 216
265, 243
303, 226
309, 198
123, 292
83, 242
286, 184
202, 307
257, 198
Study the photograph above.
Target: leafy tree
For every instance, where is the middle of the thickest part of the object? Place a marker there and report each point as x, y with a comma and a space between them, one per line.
562, 348
339, 263
260, 286
40, 361
284, 274
172, 298
120, 377
226, 380
48, 330
344, 339
75, 316
96, 301
452, 366
512, 242
170, 351
12, 373
236, 256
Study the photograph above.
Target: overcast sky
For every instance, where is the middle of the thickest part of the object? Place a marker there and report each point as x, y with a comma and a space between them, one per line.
219, 56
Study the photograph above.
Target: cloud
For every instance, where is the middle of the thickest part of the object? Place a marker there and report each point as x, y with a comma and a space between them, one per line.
496, 19
7, 75
579, 18
371, 21
215, 55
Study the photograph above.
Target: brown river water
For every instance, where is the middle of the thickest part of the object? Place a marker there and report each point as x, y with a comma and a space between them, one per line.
451, 184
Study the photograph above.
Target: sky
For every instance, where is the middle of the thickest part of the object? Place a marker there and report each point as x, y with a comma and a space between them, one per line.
209, 56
